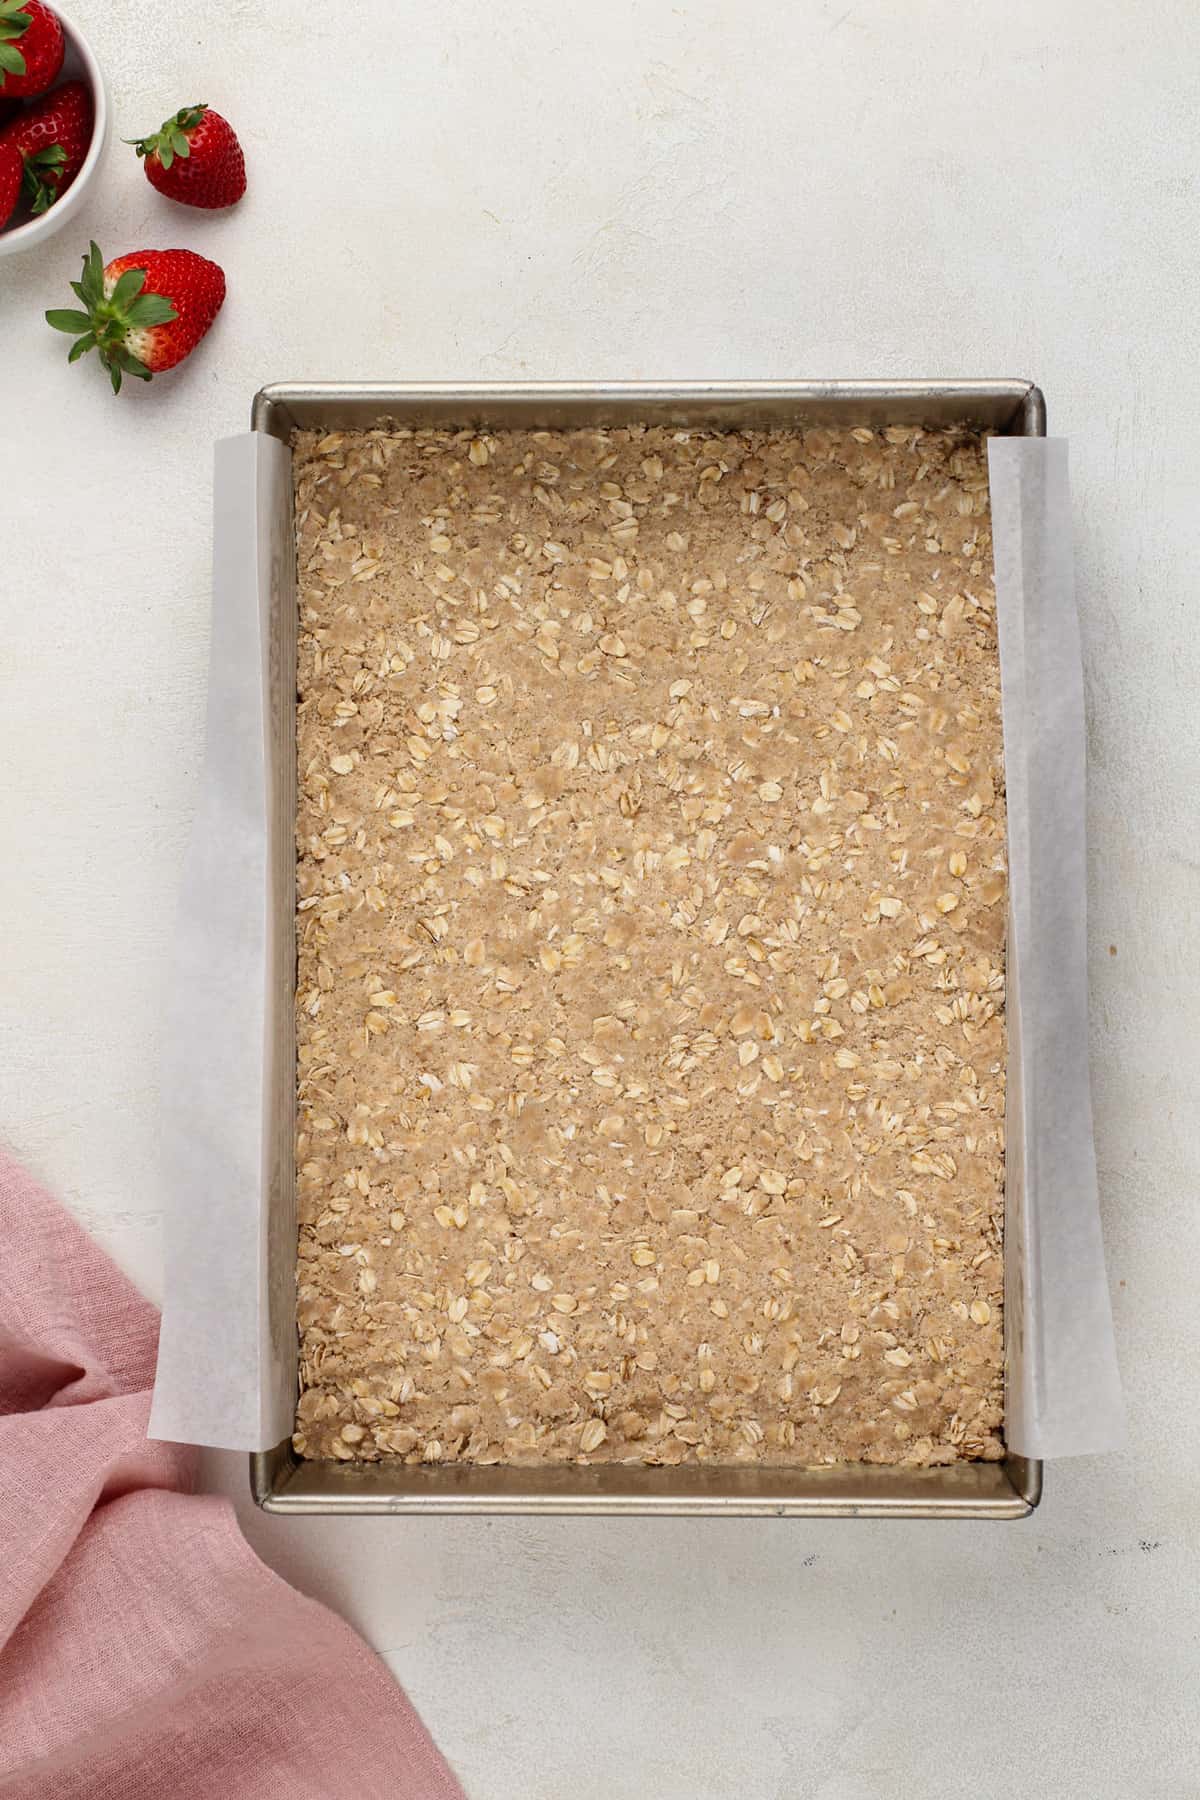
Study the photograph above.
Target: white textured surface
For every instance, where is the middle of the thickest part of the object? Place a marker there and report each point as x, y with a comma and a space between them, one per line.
710, 188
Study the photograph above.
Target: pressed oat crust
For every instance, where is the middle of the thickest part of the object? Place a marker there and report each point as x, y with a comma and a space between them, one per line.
651, 924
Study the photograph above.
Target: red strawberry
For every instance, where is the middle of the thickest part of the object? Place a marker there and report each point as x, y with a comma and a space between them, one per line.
53, 138
144, 312
195, 158
12, 170
31, 48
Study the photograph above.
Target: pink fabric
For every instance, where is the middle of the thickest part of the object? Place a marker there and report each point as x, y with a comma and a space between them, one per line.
144, 1649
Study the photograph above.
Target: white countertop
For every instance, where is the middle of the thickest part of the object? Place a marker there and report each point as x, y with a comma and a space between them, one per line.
641, 190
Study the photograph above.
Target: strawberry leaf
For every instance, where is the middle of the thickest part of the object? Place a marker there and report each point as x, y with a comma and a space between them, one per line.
110, 319
131, 364
65, 318
41, 176
127, 289
171, 140
150, 309
90, 286
11, 60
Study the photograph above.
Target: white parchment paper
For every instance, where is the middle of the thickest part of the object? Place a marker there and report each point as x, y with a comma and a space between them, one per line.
226, 1357
1064, 1393
226, 1370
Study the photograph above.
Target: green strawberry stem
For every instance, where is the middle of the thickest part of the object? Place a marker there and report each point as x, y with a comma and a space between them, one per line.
170, 140
103, 324
13, 24
41, 176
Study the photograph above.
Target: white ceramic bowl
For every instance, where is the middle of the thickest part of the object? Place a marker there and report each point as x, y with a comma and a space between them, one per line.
78, 63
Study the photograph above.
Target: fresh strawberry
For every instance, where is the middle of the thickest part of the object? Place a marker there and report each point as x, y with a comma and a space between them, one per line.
52, 138
31, 48
144, 312
12, 170
195, 158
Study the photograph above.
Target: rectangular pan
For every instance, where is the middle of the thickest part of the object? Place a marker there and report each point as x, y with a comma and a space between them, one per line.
280, 1481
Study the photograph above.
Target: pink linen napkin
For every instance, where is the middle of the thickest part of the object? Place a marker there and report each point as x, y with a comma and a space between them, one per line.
144, 1649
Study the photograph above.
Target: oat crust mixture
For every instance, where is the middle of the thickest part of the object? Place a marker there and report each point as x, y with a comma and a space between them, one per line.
651, 923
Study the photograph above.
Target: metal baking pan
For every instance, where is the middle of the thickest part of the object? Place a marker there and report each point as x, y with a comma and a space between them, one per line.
283, 1483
